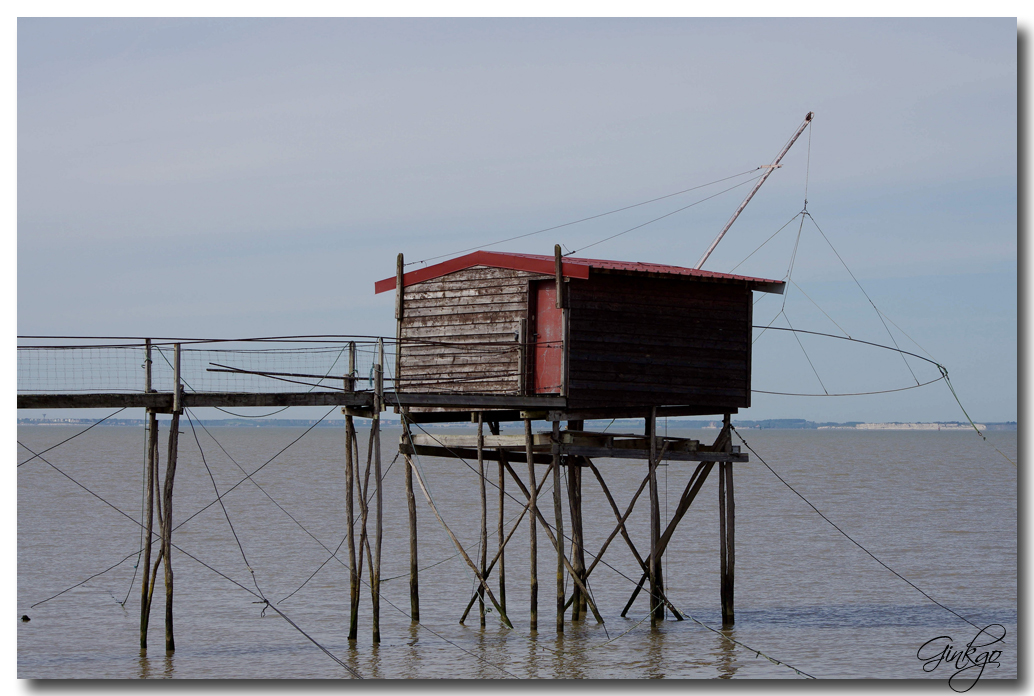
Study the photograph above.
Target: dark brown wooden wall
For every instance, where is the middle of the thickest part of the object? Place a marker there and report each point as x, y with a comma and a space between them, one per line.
652, 341
458, 332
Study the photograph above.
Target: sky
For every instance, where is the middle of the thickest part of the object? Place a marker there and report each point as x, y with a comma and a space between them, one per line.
230, 178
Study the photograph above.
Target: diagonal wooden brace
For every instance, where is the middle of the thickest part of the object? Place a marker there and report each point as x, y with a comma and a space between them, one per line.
549, 533
502, 547
434, 508
692, 488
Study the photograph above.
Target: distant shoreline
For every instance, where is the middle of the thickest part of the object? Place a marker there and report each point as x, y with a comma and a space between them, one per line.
774, 424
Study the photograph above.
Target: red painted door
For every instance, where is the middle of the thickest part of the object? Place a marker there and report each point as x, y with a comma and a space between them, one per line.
548, 330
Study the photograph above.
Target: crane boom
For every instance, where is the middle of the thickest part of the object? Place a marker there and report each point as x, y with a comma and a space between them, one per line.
771, 168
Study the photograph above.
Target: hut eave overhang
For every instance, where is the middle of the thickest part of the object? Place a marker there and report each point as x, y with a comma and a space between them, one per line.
572, 268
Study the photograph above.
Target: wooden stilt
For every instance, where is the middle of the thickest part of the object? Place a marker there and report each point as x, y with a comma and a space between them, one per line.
353, 572
553, 541
170, 475
459, 547
726, 513
350, 466
151, 462
152, 451
558, 513
375, 433
494, 428
574, 495
657, 607
414, 571
484, 515
499, 554
533, 563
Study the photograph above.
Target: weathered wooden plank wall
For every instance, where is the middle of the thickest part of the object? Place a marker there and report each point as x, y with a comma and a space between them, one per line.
460, 332
645, 341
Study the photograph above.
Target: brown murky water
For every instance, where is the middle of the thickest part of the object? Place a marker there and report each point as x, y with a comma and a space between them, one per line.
939, 508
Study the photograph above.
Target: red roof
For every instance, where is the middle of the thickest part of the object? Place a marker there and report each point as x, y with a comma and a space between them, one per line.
571, 268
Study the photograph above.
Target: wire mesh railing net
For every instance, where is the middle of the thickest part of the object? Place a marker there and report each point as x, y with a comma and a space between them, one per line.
123, 369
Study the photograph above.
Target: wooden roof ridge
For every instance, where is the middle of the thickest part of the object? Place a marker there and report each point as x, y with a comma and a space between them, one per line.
571, 268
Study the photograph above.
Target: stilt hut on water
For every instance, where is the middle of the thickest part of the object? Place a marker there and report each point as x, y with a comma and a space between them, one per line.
613, 337
584, 338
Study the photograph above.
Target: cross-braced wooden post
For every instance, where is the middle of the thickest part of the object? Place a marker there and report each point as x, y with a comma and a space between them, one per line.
574, 495
501, 453
558, 513
533, 521
151, 459
170, 475
414, 571
375, 435
656, 586
484, 515
350, 467
727, 530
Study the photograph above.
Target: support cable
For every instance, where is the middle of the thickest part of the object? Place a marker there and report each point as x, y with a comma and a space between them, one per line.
764, 243
226, 514
848, 536
808, 357
650, 222
592, 217
72, 437
878, 312
223, 575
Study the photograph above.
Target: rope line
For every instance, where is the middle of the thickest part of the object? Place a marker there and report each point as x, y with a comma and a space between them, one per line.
72, 437
878, 312
764, 243
592, 217
226, 514
650, 222
848, 536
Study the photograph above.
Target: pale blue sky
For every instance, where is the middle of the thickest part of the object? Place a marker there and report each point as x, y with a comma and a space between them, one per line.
233, 178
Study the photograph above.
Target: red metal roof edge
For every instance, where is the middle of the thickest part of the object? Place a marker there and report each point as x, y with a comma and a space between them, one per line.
571, 268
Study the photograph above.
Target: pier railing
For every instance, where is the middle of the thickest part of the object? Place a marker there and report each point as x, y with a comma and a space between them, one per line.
273, 365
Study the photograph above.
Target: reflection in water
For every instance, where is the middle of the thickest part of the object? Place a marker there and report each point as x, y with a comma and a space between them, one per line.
412, 660
725, 654
654, 654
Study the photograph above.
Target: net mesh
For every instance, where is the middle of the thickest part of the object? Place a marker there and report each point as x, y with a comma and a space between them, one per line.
255, 368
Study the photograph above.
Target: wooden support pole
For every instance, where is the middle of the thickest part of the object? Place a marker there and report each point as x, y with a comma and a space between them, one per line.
151, 463
494, 428
533, 521
459, 547
378, 401
484, 515
574, 496
414, 569
558, 269
350, 466
726, 517
147, 366
558, 514
553, 541
170, 475
657, 607
692, 488
499, 554
399, 310
353, 573
621, 520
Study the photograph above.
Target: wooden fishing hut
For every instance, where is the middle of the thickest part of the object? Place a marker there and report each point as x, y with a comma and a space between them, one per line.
579, 339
